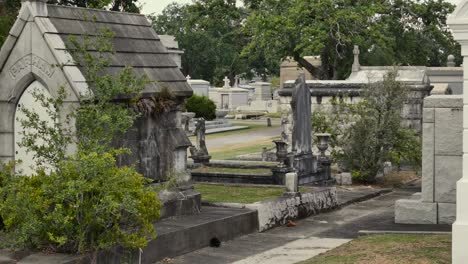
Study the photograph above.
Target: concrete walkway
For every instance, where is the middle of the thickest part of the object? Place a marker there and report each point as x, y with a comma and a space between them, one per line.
311, 236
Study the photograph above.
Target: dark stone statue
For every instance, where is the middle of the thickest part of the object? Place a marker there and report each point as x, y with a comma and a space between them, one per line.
200, 152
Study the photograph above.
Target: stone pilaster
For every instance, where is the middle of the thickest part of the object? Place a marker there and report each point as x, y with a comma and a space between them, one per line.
458, 22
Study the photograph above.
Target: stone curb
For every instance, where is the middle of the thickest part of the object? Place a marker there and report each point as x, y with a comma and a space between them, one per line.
388, 232
365, 197
351, 201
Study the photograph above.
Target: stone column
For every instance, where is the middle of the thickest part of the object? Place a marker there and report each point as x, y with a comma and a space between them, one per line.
458, 22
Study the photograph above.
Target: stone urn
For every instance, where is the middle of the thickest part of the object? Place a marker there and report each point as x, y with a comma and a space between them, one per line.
188, 115
221, 114
186, 118
281, 151
322, 142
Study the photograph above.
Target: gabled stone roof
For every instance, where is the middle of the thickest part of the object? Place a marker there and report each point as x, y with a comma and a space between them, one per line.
136, 44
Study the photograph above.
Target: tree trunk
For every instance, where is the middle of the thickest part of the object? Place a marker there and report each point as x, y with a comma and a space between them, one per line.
315, 71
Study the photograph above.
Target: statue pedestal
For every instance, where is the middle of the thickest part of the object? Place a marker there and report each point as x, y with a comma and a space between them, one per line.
279, 174
202, 159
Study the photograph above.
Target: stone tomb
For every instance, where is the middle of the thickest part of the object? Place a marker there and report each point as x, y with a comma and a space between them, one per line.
441, 164
200, 87
229, 98
37, 44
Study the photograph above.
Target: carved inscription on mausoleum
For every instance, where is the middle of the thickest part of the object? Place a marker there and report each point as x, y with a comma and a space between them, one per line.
34, 61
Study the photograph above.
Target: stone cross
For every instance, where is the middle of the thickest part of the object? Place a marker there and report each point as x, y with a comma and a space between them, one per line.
188, 77
356, 65
226, 82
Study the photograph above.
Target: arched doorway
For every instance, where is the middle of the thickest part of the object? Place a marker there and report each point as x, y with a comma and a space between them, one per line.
27, 100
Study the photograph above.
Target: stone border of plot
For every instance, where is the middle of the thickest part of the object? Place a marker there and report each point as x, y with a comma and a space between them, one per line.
223, 177
391, 232
279, 211
276, 212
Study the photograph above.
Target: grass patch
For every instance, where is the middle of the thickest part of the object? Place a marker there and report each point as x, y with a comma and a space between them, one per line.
274, 115
251, 128
397, 179
389, 249
239, 194
231, 152
257, 171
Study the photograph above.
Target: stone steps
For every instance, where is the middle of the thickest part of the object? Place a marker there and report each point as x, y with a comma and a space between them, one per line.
175, 236
181, 235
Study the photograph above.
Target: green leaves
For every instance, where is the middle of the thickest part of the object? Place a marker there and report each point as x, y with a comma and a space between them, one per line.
202, 107
83, 202
211, 34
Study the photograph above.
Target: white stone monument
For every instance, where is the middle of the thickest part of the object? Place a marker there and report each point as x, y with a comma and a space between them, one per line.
458, 23
200, 87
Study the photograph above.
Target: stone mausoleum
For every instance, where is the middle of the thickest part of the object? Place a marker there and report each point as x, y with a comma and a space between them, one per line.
34, 56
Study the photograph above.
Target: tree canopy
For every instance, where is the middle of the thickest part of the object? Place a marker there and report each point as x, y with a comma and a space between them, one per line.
401, 32
211, 34
222, 39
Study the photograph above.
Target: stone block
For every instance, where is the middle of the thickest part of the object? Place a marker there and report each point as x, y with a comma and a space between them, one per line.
291, 182
8, 110
428, 115
447, 213
346, 178
416, 196
448, 131
443, 101
427, 182
448, 170
7, 147
415, 212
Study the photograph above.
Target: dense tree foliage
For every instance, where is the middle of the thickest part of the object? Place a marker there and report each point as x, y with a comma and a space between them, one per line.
10, 8
211, 34
402, 32
221, 39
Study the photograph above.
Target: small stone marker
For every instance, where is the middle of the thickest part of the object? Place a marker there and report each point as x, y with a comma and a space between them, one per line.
345, 179
268, 122
291, 183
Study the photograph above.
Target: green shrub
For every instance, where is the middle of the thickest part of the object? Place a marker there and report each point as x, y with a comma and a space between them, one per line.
377, 136
202, 106
82, 202
88, 204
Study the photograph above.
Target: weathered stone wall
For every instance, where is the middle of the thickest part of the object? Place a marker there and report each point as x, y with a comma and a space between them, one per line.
441, 163
153, 141
278, 211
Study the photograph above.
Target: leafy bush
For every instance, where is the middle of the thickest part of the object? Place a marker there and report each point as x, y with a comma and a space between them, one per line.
202, 106
377, 136
367, 134
88, 204
81, 202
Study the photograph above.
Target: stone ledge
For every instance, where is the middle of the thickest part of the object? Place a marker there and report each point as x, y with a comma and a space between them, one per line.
447, 213
444, 101
415, 212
